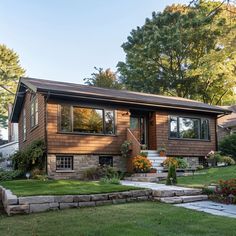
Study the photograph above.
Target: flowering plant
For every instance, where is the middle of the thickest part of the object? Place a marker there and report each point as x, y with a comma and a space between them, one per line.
141, 164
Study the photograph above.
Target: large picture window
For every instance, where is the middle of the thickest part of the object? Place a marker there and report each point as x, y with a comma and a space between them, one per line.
86, 120
189, 128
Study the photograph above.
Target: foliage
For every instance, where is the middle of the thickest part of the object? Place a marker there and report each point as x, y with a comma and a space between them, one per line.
213, 158
103, 78
113, 180
99, 172
228, 160
182, 164
153, 170
10, 174
171, 178
125, 149
143, 154
31, 157
227, 146
38, 174
141, 164
177, 162
200, 167
227, 191
174, 52
10, 71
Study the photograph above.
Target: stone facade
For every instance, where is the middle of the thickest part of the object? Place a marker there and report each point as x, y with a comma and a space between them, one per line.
80, 164
192, 161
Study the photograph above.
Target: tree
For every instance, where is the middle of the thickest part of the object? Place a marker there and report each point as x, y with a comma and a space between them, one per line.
185, 51
10, 71
103, 78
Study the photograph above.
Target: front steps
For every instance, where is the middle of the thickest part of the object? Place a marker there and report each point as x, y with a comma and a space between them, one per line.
179, 196
155, 159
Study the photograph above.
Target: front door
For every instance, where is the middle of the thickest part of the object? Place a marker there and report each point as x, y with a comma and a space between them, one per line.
138, 126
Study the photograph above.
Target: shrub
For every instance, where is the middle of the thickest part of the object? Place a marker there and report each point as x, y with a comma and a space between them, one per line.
200, 167
170, 161
227, 146
227, 190
228, 160
10, 175
98, 172
213, 157
30, 158
141, 164
143, 154
181, 163
125, 149
171, 178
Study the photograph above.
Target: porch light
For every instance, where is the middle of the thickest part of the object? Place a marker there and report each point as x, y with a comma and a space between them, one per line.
27, 175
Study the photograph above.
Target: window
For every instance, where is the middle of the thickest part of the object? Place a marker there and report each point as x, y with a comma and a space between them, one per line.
24, 125
134, 122
109, 122
64, 163
189, 128
86, 120
34, 112
106, 160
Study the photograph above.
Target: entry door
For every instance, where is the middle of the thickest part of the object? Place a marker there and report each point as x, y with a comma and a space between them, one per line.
138, 127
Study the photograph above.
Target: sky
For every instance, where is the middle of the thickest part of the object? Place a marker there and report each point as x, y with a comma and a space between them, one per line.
64, 39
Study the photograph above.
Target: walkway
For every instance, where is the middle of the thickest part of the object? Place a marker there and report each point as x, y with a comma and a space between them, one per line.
211, 208
153, 186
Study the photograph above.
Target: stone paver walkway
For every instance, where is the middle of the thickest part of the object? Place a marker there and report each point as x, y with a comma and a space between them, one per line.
211, 208
153, 186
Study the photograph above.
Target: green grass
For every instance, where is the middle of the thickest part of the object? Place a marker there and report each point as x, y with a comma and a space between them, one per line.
208, 176
61, 187
137, 219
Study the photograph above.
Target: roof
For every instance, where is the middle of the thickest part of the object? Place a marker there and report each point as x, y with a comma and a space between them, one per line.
228, 121
111, 95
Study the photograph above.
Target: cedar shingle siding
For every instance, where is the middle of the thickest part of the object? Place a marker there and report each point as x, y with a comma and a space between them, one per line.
37, 132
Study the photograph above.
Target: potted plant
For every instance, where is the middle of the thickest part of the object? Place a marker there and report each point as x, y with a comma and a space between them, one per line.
162, 151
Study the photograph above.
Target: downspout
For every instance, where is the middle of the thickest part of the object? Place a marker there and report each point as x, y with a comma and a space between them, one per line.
45, 131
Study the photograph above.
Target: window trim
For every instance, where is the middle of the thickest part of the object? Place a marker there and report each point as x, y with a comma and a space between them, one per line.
72, 163
199, 129
106, 156
103, 109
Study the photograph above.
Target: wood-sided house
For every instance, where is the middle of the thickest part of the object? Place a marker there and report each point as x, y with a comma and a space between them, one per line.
84, 125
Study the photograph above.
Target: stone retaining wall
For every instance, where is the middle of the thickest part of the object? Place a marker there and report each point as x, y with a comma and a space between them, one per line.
25, 205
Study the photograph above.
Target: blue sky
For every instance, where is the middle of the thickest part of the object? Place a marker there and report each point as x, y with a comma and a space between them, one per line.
64, 39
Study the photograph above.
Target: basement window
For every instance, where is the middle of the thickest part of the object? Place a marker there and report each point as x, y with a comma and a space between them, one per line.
106, 160
64, 163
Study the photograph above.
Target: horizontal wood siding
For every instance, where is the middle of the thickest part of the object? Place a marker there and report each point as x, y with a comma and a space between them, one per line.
85, 143
182, 147
37, 132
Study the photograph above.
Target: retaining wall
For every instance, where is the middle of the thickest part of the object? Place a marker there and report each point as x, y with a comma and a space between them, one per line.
25, 205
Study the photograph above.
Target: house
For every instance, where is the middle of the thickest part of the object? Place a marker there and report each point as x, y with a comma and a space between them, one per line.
84, 126
227, 124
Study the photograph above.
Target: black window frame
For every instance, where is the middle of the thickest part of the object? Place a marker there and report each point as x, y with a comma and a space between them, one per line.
65, 156
88, 107
201, 119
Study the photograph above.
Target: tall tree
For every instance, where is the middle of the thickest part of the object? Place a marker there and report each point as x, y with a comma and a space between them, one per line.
103, 78
10, 71
185, 51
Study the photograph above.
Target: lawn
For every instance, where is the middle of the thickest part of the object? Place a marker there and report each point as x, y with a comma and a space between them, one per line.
61, 187
208, 176
137, 219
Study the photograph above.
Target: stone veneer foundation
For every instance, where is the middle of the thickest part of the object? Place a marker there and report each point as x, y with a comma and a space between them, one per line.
81, 163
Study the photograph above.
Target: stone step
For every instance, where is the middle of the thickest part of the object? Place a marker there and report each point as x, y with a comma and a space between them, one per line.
182, 199
176, 192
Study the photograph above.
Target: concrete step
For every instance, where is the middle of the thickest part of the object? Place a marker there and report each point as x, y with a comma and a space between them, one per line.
182, 199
